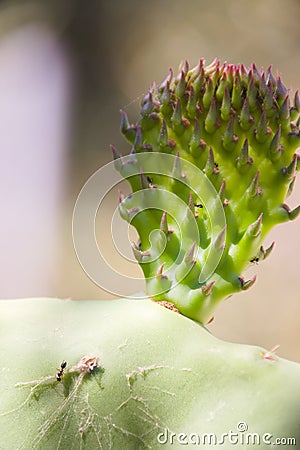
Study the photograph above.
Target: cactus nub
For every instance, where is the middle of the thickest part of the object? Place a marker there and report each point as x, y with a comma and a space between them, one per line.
247, 284
164, 224
239, 130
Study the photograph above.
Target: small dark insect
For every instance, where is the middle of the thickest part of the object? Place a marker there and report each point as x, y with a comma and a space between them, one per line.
61, 370
216, 165
255, 260
149, 180
198, 205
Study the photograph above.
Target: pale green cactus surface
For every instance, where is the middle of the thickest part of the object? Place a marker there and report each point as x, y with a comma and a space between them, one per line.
138, 377
238, 128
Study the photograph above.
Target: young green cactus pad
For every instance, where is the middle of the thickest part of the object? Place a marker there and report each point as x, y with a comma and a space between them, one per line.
230, 134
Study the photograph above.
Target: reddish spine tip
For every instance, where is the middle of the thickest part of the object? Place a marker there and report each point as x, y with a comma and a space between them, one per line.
207, 289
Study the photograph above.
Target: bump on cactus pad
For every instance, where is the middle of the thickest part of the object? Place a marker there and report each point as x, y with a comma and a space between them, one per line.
238, 128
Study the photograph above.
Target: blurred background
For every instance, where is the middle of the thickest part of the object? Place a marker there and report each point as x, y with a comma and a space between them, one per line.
66, 68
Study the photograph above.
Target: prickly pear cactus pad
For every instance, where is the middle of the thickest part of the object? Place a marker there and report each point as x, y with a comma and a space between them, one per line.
137, 377
212, 163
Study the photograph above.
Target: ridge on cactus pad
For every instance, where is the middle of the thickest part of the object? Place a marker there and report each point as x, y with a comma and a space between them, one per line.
240, 130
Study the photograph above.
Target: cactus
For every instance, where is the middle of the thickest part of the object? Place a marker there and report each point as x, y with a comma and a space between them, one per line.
211, 165
135, 374
225, 137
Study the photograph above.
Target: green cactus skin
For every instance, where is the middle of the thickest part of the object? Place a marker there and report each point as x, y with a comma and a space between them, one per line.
237, 126
134, 369
156, 370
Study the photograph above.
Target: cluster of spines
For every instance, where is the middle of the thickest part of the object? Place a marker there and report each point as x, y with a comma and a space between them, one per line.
238, 127
222, 92
208, 111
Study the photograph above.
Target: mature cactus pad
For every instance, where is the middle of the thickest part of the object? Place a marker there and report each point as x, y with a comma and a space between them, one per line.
212, 162
136, 373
